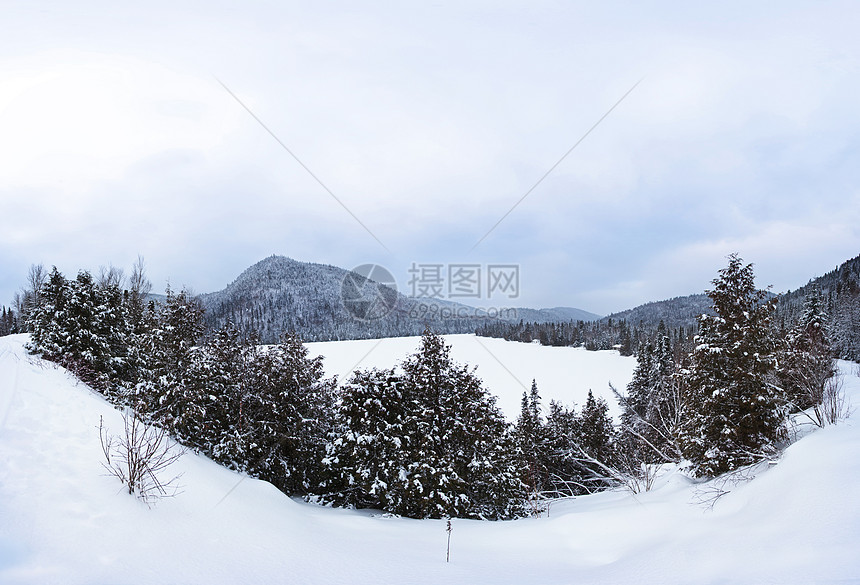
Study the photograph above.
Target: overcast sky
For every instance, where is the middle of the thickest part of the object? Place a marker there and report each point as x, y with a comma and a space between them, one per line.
429, 121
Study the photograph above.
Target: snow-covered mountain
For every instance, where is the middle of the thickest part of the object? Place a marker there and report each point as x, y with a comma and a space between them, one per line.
64, 520
279, 294
675, 312
556, 315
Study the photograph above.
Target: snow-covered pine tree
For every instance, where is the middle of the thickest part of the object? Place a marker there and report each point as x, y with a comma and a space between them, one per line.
368, 454
214, 384
806, 357
426, 443
81, 326
173, 329
461, 465
581, 449
564, 473
531, 440
48, 321
289, 409
434, 488
651, 409
116, 337
734, 415
845, 314
597, 433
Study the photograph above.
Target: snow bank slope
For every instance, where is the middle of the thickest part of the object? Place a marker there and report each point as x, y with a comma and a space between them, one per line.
63, 521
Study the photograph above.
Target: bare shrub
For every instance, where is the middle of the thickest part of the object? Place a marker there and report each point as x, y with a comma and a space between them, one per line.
642, 479
834, 405
708, 494
140, 457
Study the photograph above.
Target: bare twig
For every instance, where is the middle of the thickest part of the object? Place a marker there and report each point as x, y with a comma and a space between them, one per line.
139, 458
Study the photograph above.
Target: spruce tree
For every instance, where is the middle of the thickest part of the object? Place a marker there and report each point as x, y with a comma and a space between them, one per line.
288, 411
172, 331
369, 451
449, 449
734, 416
650, 419
806, 357
49, 321
531, 438
596, 431
566, 475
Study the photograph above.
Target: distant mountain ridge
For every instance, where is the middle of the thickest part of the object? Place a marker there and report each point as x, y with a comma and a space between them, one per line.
683, 311
279, 294
556, 314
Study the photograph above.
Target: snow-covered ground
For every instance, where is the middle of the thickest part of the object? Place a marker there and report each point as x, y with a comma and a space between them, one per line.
507, 368
62, 520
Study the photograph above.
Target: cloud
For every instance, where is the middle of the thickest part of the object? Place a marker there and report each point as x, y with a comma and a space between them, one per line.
429, 123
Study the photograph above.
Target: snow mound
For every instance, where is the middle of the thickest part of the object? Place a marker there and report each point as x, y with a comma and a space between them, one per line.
63, 520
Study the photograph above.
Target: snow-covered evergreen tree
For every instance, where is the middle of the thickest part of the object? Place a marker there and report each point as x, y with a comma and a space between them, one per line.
447, 447
806, 358
651, 410
288, 411
530, 435
596, 430
461, 463
81, 325
734, 415
49, 320
173, 328
369, 451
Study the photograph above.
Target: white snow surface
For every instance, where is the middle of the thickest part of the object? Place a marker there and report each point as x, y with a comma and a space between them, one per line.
62, 520
507, 368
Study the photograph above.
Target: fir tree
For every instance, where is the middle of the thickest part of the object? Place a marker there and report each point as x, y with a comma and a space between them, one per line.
49, 321
461, 464
806, 357
173, 329
734, 416
81, 326
566, 475
596, 431
651, 409
531, 442
289, 414
448, 447
368, 454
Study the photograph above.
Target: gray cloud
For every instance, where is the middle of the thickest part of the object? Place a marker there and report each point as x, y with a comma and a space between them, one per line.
429, 123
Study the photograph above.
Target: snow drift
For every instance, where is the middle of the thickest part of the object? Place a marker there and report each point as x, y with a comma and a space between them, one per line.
64, 520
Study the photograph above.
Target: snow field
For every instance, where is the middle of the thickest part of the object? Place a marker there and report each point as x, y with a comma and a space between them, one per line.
507, 368
62, 520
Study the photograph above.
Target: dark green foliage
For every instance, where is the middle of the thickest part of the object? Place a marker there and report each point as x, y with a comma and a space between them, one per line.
652, 407
289, 411
172, 331
82, 325
734, 416
368, 454
565, 473
265, 411
8, 321
806, 357
532, 443
839, 295
428, 443
566, 454
596, 433
608, 333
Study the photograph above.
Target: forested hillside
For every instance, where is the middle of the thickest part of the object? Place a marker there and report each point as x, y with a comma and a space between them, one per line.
630, 330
